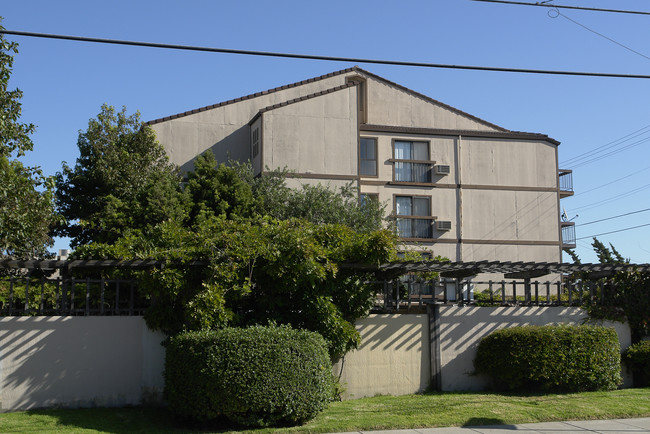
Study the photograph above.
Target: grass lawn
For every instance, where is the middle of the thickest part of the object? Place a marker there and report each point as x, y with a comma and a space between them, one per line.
381, 412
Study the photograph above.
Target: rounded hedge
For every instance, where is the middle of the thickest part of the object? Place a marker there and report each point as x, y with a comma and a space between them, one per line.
257, 376
564, 358
637, 358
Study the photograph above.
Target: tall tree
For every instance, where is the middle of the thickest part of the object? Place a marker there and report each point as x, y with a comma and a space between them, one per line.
122, 180
26, 196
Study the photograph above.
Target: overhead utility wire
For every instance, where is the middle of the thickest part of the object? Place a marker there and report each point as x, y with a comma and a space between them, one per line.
599, 149
613, 232
582, 8
325, 58
611, 182
613, 217
601, 35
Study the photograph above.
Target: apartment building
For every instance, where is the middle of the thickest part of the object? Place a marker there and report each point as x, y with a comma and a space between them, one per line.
457, 185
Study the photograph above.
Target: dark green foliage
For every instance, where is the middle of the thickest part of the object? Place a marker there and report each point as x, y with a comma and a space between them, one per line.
122, 180
217, 190
551, 358
26, 196
255, 271
257, 376
637, 358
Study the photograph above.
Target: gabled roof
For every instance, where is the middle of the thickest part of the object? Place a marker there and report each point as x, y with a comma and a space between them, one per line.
302, 98
333, 74
251, 96
429, 99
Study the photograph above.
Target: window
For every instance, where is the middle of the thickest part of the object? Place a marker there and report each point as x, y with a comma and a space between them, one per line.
364, 198
411, 162
413, 216
255, 140
368, 157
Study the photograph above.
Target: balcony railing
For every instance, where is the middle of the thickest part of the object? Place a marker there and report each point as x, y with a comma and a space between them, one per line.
412, 171
409, 227
566, 182
568, 235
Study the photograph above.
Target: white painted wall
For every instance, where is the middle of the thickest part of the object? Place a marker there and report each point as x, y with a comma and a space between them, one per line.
79, 362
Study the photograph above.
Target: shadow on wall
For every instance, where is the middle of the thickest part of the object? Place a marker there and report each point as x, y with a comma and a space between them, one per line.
232, 147
70, 362
463, 327
393, 358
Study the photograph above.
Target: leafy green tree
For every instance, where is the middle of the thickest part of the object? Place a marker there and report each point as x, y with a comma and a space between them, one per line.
625, 295
254, 271
121, 180
218, 190
26, 196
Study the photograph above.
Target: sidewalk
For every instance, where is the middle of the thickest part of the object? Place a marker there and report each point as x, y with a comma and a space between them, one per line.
613, 426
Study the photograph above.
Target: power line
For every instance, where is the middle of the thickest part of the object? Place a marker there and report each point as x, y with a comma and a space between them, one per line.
612, 199
613, 217
600, 34
325, 58
611, 182
599, 149
613, 232
564, 7
615, 151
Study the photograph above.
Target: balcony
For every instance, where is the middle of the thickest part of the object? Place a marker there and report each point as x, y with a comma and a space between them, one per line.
568, 235
566, 182
410, 227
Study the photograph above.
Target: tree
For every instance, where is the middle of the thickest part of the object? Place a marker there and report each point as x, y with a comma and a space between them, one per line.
121, 180
26, 196
218, 190
625, 295
255, 271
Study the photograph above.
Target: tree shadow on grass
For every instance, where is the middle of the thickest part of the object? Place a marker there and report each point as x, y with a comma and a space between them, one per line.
129, 420
487, 422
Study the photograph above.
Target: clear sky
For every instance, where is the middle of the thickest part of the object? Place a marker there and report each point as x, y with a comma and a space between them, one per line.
65, 82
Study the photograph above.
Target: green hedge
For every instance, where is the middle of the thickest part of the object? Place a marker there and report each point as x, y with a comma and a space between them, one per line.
637, 358
551, 358
258, 376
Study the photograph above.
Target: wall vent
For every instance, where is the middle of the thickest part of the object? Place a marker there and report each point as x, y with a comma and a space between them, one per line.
443, 225
442, 169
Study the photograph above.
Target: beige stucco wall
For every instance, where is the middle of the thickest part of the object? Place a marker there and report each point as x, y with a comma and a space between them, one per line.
392, 105
78, 362
317, 135
462, 328
393, 358
508, 163
224, 130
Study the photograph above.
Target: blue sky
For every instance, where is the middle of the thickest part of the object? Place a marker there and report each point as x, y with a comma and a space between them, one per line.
65, 82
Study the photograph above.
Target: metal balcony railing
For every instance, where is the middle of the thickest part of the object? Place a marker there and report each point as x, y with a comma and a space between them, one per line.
566, 182
568, 235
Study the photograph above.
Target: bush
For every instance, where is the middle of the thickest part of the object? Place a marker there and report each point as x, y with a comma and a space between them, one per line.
257, 376
551, 358
637, 358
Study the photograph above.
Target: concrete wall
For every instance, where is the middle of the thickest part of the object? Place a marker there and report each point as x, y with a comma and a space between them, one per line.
393, 358
404, 354
392, 105
461, 328
314, 136
78, 362
224, 129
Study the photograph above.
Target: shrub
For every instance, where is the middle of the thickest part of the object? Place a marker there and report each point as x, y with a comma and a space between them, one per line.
551, 358
257, 376
637, 358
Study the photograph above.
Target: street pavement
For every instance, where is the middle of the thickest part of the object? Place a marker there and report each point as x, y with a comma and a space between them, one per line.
612, 426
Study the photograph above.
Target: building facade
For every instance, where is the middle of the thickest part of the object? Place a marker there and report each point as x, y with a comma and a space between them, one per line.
456, 185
